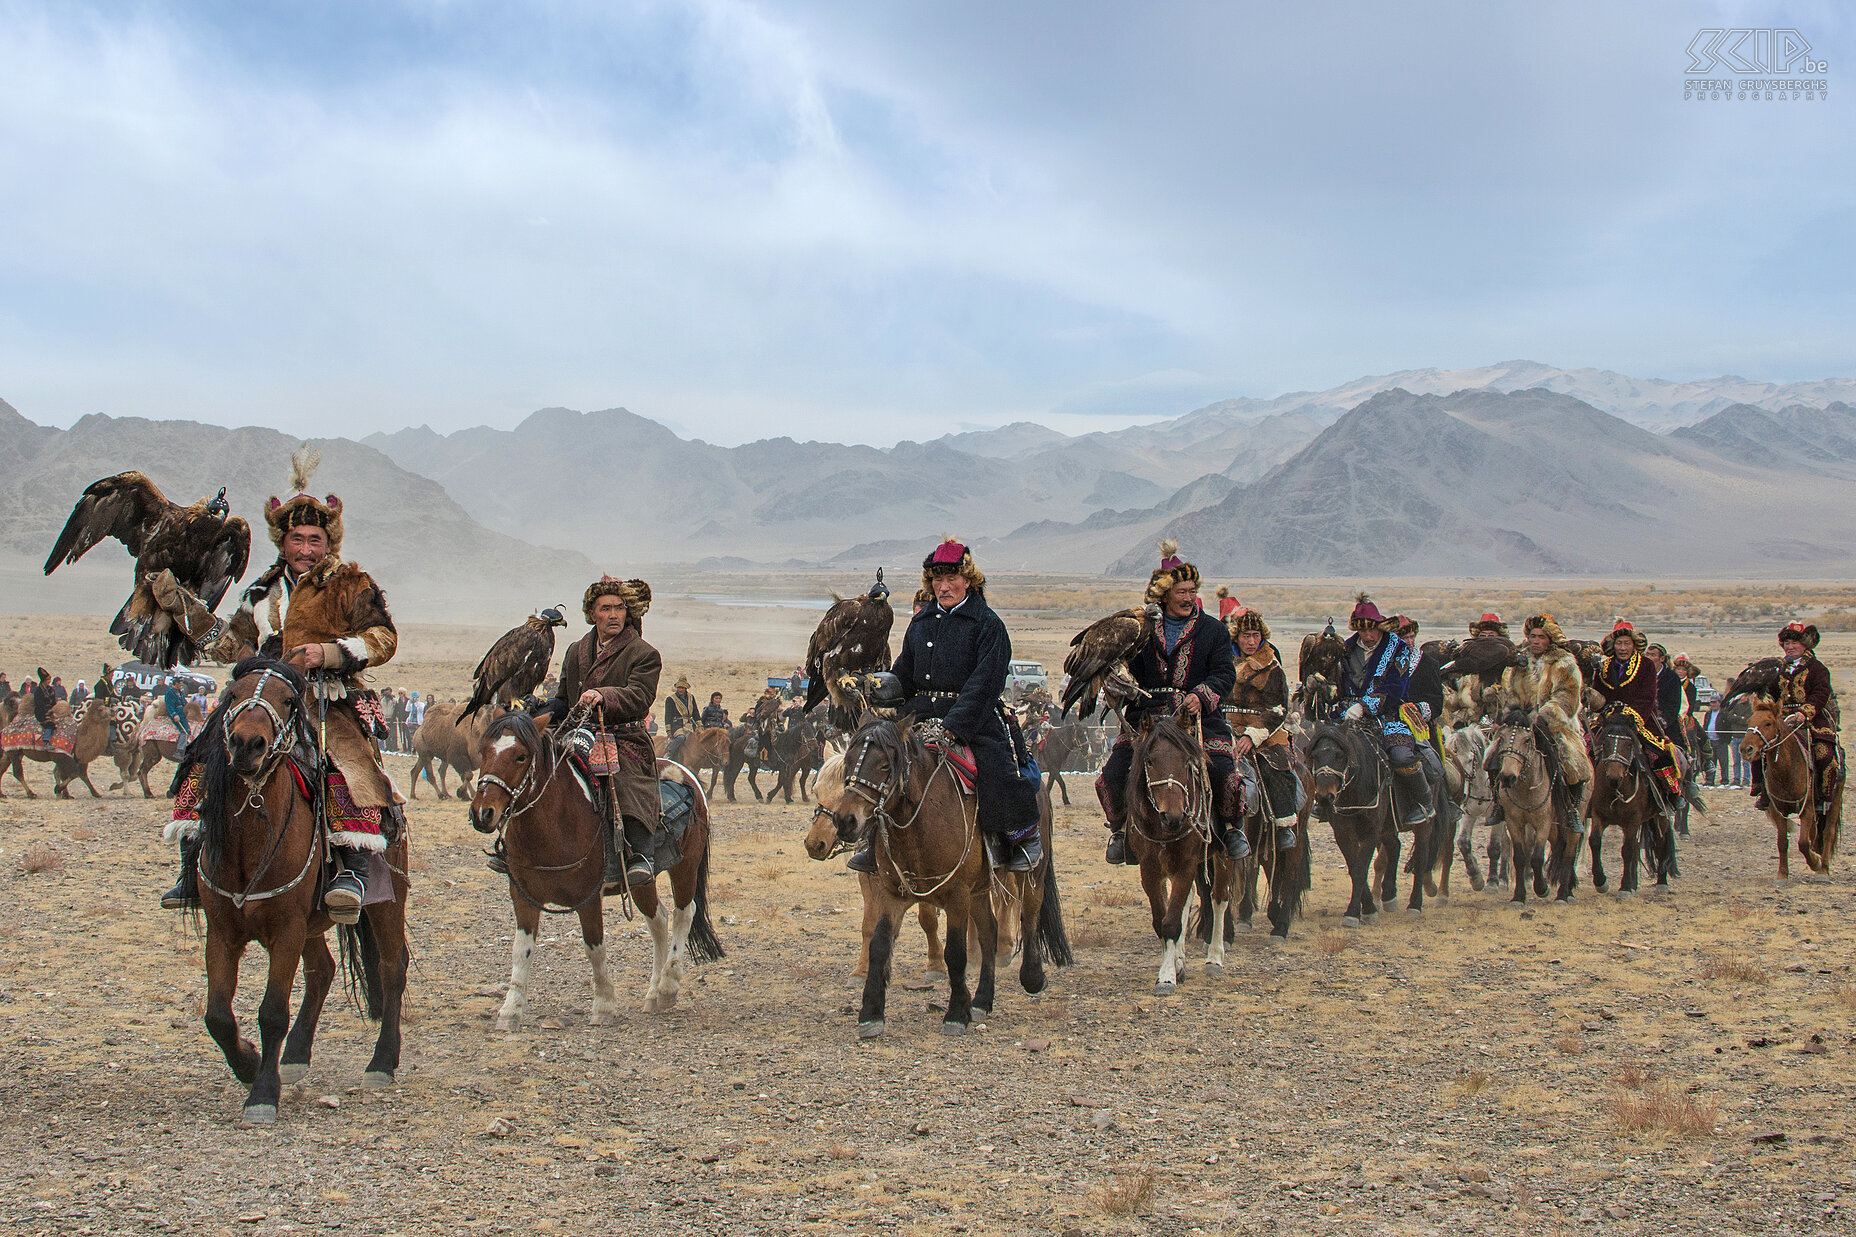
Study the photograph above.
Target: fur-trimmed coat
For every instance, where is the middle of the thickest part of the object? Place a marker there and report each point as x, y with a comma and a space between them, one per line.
1258, 706
1804, 687
1200, 664
1549, 687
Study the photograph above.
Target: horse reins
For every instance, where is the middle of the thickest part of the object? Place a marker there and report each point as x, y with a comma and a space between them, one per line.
1347, 779
255, 799
879, 793
1508, 745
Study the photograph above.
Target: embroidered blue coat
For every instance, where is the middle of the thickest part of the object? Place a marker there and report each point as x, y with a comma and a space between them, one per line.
1385, 685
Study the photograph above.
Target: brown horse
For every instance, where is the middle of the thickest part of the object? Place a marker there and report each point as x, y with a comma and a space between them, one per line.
706, 748
1791, 778
90, 739
928, 851
1289, 872
262, 851
553, 834
1531, 809
797, 754
1169, 798
1624, 794
1056, 747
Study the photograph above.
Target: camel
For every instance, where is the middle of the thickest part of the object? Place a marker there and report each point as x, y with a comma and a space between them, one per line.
91, 738
154, 741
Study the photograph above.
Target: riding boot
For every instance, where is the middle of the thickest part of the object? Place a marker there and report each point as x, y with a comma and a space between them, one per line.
612, 879
1024, 849
639, 870
1117, 846
1417, 791
342, 899
186, 891
1285, 833
1236, 841
863, 859
1575, 822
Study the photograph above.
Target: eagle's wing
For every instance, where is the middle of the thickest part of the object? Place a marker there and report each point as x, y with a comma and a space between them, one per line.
1483, 656
1760, 678
852, 638
1097, 649
1321, 654
217, 561
515, 665
127, 507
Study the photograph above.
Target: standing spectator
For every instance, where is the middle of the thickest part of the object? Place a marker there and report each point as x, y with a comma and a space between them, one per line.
1720, 757
79, 694
58, 691
6, 688
415, 716
396, 718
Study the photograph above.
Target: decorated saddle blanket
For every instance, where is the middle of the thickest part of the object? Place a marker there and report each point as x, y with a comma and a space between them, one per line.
25, 734
157, 728
349, 824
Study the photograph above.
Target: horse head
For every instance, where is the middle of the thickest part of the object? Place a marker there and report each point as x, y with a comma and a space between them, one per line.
507, 754
1170, 761
1618, 750
822, 838
260, 714
1328, 758
1763, 729
879, 767
1516, 752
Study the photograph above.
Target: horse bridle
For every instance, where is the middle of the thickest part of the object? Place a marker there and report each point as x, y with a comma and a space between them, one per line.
1612, 738
879, 794
1347, 779
1508, 744
254, 799
281, 723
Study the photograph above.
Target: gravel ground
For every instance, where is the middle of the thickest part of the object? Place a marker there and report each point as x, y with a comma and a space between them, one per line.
1474, 1069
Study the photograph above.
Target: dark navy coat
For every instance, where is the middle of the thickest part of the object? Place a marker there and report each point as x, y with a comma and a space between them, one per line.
1200, 664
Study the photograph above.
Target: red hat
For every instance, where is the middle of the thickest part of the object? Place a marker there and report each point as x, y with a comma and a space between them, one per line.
1623, 628
949, 552
1366, 614
1804, 633
1490, 617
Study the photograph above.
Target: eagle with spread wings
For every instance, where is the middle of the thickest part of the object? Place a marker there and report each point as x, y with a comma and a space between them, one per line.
517, 663
204, 549
1097, 664
852, 639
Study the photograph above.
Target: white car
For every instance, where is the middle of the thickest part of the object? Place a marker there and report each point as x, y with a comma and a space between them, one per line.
1024, 677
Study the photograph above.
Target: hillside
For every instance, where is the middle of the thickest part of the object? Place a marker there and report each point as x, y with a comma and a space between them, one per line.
427, 552
1796, 436
1481, 483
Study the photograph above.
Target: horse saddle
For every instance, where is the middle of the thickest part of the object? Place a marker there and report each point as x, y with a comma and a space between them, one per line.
962, 761
676, 805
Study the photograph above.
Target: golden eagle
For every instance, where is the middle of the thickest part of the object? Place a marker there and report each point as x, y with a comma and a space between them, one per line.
1099, 651
852, 638
517, 663
1760, 678
204, 549
1318, 669
1484, 656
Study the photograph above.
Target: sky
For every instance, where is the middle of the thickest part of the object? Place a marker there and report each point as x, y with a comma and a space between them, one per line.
869, 222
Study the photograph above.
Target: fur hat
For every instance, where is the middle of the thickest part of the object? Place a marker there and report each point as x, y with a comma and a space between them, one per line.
1624, 629
1223, 591
1490, 624
951, 553
1405, 626
302, 507
1806, 633
1245, 619
683, 680
636, 595
1172, 570
1546, 623
1366, 616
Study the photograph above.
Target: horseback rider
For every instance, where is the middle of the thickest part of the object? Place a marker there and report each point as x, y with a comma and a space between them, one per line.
1490, 624
328, 618
1545, 686
614, 672
1375, 676
952, 668
1185, 668
680, 716
1258, 711
42, 702
175, 706
1628, 681
764, 719
1423, 713
1805, 697
713, 714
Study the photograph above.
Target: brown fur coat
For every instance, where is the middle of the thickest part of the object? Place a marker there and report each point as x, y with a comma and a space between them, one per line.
1550, 687
1258, 705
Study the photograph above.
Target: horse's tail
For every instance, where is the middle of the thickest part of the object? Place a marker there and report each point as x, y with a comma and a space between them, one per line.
361, 967
703, 943
1055, 941
1296, 874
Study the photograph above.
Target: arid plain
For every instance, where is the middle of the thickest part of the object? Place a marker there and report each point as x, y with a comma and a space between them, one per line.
1677, 1062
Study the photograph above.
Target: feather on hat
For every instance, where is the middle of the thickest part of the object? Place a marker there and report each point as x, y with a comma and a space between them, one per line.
283, 514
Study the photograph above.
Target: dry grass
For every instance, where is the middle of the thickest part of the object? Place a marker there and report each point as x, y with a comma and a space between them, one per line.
1331, 943
1050, 1010
1473, 1082
770, 871
1633, 1076
1735, 970
1739, 910
1117, 895
40, 858
1570, 1045
83, 833
1089, 936
1129, 1193
1846, 996
1662, 1108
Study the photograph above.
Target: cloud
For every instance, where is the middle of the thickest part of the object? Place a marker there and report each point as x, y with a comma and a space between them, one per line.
874, 222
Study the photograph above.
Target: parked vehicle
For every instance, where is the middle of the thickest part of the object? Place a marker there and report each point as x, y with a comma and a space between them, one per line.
153, 681
1024, 677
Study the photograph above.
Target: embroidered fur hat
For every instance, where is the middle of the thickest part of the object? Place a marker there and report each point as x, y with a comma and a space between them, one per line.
1805, 633
636, 595
1172, 570
951, 557
1546, 623
301, 508
1490, 624
1246, 619
1366, 616
1405, 626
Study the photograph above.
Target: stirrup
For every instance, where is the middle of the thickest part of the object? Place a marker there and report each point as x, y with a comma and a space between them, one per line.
1236, 843
1285, 836
1117, 852
639, 870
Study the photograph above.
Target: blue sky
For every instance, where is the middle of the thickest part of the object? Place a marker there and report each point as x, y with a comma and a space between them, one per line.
870, 222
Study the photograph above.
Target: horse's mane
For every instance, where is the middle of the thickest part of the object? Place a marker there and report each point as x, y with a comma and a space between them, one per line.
208, 750
1170, 731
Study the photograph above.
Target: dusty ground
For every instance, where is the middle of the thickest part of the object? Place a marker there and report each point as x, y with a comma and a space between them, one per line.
1476, 1069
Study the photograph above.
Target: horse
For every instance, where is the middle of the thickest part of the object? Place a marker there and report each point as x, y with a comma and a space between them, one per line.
1624, 794
1790, 776
261, 852
1353, 790
1169, 798
822, 843
708, 747
1056, 746
1289, 873
89, 729
556, 858
1531, 808
797, 754
743, 752
1466, 780
928, 851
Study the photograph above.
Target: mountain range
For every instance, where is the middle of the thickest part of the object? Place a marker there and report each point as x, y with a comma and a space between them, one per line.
1515, 469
